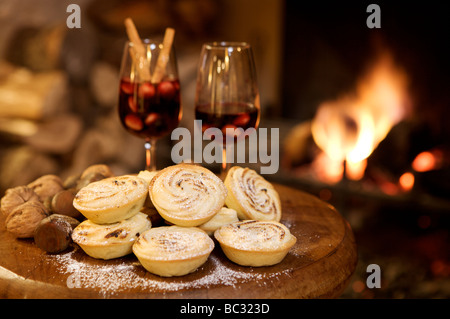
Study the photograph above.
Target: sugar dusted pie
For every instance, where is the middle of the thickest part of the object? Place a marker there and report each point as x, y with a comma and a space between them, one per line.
112, 199
252, 196
173, 250
187, 194
224, 217
110, 241
147, 175
255, 243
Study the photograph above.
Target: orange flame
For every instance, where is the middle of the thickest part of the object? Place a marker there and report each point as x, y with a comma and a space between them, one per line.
355, 170
427, 161
350, 128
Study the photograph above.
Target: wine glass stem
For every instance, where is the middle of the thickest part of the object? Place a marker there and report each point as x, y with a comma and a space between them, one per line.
225, 164
150, 153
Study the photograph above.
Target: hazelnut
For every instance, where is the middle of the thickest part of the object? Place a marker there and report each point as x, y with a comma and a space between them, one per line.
16, 196
71, 181
62, 203
46, 186
90, 178
100, 169
53, 233
23, 220
92, 174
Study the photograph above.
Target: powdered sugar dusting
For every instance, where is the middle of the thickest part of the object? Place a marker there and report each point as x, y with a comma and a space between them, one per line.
173, 243
110, 279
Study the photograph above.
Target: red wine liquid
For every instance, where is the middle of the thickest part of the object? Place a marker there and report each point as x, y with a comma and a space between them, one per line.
149, 110
232, 116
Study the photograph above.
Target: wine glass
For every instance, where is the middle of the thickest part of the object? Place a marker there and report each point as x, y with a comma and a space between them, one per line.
227, 95
149, 105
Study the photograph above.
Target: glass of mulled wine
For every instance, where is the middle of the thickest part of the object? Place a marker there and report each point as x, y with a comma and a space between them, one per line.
149, 94
227, 96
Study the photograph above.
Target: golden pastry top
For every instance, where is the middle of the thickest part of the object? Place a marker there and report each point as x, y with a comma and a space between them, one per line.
223, 217
255, 196
187, 191
252, 235
147, 175
128, 230
173, 243
112, 192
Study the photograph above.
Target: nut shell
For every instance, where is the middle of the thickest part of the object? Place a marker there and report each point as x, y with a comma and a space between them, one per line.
16, 196
47, 186
97, 169
93, 173
62, 203
53, 233
24, 219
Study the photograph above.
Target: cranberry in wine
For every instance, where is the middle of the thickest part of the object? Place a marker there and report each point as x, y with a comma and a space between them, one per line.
231, 116
149, 110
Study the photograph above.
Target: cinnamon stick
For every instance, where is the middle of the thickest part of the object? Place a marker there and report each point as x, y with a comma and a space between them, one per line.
163, 57
138, 52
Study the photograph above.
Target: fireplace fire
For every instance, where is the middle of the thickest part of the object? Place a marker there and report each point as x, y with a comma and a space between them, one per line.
348, 129
334, 149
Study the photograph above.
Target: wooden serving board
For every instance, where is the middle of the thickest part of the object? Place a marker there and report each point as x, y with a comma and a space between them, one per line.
318, 266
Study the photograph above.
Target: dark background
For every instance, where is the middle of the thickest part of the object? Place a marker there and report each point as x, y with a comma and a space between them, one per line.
328, 45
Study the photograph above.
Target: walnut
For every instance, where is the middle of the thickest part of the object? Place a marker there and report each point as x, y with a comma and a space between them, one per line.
16, 196
23, 220
47, 186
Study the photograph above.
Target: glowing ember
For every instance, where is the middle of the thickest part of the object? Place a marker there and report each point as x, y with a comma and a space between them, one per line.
406, 181
389, 188
350, 128
327, 169
358, 286
355, 170
427, 161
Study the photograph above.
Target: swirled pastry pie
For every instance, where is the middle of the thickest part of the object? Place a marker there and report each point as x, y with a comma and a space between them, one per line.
252, 196
187, 194
172, 250
109, 241
112, 199
255, 243
224, 217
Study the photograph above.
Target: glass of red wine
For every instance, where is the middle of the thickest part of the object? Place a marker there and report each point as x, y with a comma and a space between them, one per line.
149, 98
227, 95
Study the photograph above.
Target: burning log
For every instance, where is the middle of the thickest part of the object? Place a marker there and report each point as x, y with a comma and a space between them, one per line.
298, 146
350, 128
